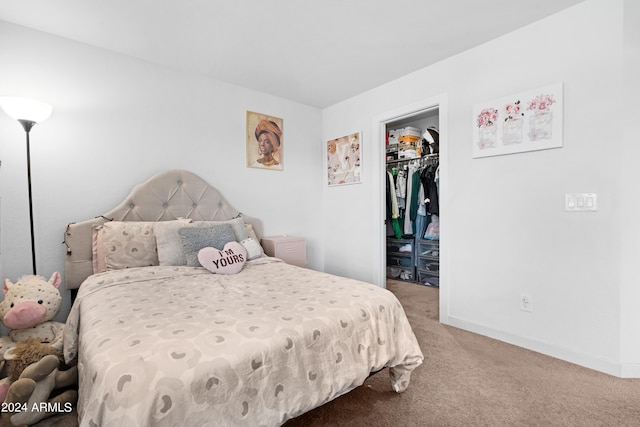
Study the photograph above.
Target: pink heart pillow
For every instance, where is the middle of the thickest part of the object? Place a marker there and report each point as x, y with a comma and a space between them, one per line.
229, 260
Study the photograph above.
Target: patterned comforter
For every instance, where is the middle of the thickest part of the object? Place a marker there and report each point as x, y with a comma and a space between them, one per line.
169, 346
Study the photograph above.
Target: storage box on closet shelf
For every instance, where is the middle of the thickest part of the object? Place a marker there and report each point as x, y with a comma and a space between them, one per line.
406, 139
392, 152
393, 137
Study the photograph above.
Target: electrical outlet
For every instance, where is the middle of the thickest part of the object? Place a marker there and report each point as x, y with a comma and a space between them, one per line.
525, 303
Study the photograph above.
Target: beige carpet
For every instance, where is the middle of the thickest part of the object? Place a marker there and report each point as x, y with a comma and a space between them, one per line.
471, 380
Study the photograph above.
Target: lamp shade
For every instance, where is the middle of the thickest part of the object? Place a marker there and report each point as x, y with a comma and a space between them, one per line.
25, 109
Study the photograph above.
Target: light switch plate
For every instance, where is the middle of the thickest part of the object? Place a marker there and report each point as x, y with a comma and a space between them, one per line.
581, 202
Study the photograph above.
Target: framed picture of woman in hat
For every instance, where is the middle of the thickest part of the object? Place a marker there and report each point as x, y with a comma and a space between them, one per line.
264, 141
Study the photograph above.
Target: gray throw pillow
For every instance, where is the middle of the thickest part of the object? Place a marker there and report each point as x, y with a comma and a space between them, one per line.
195, 238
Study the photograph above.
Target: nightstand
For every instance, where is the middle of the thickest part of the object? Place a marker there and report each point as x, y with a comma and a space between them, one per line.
291, 250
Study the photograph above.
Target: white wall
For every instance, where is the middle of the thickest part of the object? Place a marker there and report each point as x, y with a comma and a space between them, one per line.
507, 232
116, 122
629, 111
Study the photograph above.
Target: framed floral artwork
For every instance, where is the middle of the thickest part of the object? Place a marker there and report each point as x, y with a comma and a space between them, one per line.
521, 122
344, 160
265, 141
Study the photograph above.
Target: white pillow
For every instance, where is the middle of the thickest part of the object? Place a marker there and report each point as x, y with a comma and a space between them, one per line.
170, 250
129, 244
252, 235
253, 248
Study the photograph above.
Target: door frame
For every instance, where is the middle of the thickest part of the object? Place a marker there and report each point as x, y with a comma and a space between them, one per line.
379, 232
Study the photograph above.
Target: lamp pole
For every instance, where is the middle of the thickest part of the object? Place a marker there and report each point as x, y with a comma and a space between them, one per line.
27, 125
27, 112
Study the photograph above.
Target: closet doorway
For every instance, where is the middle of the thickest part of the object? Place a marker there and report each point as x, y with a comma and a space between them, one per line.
429, 113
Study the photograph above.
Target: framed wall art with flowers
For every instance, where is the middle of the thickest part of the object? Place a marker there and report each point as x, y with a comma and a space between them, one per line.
344, 162
526, 121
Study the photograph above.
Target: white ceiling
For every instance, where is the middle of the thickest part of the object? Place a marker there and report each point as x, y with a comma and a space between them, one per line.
314, 52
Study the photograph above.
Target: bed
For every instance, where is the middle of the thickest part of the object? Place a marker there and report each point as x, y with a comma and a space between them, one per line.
167, 345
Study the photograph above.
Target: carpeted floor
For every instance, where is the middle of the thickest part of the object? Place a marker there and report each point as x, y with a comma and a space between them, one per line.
471, 380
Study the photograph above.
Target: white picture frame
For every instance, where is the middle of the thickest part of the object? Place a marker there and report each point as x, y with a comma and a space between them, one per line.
527, 121
344, 160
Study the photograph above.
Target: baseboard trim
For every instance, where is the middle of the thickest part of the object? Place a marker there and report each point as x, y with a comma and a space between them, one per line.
630, 370
590, 362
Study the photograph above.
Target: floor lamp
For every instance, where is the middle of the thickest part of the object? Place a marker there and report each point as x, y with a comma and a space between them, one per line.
28, 112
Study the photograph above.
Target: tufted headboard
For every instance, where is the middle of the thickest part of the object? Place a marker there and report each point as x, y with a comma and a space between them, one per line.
166, 196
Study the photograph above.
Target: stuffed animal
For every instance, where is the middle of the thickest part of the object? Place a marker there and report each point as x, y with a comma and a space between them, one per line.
29, 307
28, 399
27, 353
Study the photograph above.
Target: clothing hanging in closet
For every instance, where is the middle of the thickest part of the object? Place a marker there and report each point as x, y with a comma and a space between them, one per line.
428, 178
393, 212
412, 190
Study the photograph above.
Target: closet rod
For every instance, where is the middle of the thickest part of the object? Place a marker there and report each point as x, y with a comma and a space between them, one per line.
417, 159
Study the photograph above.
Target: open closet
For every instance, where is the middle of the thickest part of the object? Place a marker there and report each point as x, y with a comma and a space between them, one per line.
412, 198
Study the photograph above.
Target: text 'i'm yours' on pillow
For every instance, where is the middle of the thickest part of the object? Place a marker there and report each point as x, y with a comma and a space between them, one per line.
229, 260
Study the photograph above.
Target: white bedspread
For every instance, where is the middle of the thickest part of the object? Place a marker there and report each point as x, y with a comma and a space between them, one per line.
173, 346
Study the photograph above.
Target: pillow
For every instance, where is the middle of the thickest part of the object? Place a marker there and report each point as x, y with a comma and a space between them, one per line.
129, 244
252, 235
170, 248
97, 249
229, 260
236, 223
253, 248
168, 241
195, 238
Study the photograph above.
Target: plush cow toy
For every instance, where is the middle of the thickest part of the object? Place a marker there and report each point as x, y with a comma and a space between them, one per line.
28, 309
